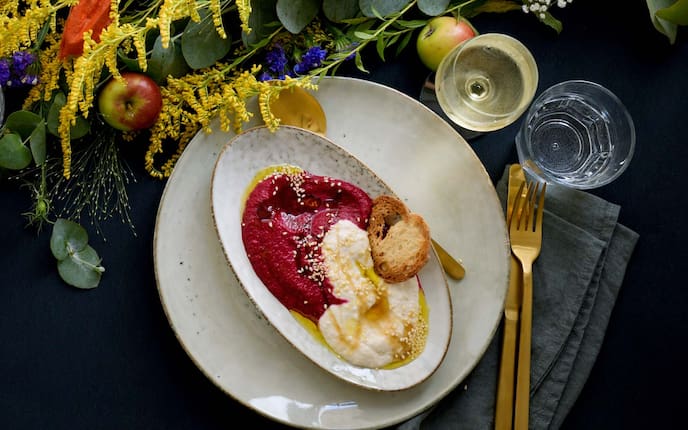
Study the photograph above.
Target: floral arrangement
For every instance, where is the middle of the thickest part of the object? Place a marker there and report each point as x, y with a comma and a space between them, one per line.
206, 57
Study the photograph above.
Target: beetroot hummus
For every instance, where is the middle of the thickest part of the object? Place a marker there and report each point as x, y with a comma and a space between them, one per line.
285, 218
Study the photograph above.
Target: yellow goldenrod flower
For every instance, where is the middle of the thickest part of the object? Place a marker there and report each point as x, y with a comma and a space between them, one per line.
216, 10
244, 8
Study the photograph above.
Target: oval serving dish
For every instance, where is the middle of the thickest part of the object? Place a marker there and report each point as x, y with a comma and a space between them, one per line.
235, 170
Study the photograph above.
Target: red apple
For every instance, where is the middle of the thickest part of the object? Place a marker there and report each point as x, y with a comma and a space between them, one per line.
439, 36
132, 103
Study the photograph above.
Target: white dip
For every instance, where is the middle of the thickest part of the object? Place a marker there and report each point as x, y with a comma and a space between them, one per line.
380, 323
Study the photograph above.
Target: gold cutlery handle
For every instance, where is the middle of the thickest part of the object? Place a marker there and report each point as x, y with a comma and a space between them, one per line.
504, 410
523, 373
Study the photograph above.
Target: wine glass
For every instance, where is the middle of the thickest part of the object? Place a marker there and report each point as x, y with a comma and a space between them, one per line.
485, 83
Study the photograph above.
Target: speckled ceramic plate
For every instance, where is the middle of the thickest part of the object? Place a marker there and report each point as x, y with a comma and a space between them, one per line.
258, 148
431, 167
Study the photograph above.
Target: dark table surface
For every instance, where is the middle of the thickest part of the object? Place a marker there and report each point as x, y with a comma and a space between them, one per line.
108, 359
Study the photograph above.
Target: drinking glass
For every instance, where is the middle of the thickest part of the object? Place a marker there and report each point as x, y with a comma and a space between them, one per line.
486, 82
578, 134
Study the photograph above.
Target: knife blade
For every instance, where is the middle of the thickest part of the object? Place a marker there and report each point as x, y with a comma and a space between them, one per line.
451, 266
504, 409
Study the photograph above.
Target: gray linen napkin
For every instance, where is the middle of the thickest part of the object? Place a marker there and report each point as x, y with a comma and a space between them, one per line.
576, 280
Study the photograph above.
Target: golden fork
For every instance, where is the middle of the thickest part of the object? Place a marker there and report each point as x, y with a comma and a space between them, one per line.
504, 409
525, 233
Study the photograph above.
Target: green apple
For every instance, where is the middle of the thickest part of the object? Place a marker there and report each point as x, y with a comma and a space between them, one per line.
132, 103
439, 36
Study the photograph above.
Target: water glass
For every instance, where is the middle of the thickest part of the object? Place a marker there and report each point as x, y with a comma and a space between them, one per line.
578, 134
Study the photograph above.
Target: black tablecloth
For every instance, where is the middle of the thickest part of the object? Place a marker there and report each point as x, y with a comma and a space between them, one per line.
108, 359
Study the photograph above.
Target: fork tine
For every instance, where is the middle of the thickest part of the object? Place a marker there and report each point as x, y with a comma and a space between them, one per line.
518, 207
524, 208
532, 197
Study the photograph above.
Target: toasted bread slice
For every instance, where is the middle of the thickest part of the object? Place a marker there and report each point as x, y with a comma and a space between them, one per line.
399, 239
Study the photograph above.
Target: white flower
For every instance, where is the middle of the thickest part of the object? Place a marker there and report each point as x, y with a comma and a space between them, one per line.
541, 6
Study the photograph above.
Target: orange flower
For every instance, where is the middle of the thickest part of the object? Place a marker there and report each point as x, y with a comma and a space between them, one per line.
84, 16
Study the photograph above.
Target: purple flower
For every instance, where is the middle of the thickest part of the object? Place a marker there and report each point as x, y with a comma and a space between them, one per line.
276, 60
311, 59
18, 70
265, 76
4, 72
21, 60
29, 79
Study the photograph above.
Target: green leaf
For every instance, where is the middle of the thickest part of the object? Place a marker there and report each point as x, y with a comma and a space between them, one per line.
23, 122
667, 28
359, 62
167, 62
552, 22
295, 15
380, 48
67, 237
261, 21
202, 46
78, 263
404, 42
81, 269
77, 131
130, 63
13, 153
363, 36
433, 7
37, 143
339, 10
416, 23
492, 6
677, 13
382, 7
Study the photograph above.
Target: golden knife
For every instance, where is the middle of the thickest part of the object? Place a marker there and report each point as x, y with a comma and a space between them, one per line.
451, 266
504, 409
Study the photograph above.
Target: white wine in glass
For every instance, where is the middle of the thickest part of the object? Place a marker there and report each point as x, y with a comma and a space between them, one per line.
486, 82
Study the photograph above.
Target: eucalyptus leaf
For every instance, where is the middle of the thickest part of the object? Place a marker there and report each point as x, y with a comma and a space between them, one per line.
339, 10
166, 62
37, 143
667, 28
23, 122
433, 7
130, 63
262, 21
201, 44
81, 269
67, 237
382, 7
295, 15
80, 129
14, 154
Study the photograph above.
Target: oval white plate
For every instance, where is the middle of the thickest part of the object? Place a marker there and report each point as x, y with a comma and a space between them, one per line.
239, 162
411, 149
